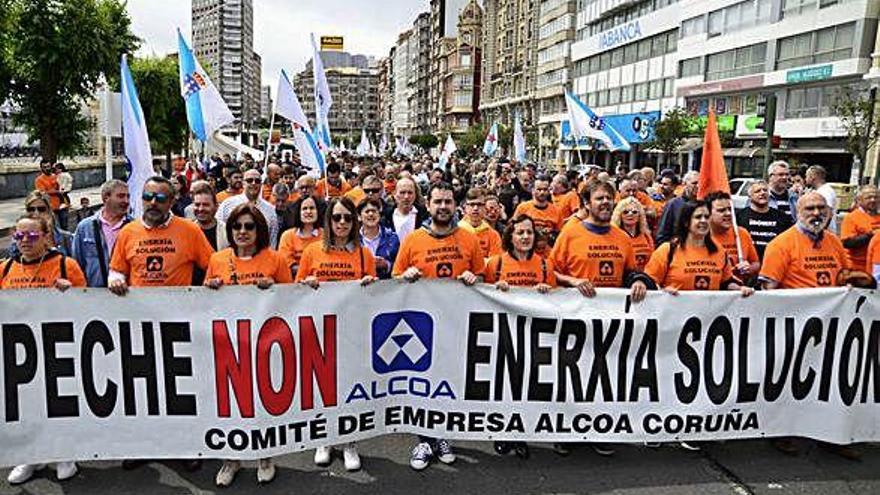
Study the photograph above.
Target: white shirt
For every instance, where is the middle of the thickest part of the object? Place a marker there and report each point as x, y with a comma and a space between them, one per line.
264, 206
404, 224
830, 196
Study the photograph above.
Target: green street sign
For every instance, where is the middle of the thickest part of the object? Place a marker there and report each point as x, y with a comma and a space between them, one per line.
809, 74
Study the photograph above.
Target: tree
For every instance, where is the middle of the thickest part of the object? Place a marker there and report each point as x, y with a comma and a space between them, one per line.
425, 141
55, 54
472, 140
855, 109
5, 28
670, 132
158, 84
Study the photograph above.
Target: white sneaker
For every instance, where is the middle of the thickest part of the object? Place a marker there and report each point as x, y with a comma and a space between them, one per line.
351, 457
443, 451
421, 456
22, 473
322, 456
66, 470
265, 470
227, 473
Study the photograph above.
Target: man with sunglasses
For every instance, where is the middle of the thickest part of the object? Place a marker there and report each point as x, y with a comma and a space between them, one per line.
96, 235
371, 187
253, 186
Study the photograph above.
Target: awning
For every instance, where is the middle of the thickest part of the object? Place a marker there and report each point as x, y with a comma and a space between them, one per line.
688, 145
742, 152
810, 151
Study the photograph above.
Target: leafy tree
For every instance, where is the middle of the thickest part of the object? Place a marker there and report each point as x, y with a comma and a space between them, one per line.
670, 132
55, 53
5, 28
471, 142
855, 109
424, 141
158, 85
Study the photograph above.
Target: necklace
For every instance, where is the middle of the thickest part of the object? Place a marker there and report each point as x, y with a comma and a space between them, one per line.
37, 272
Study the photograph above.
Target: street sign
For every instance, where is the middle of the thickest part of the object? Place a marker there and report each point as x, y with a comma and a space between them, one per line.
747, 126
809, 74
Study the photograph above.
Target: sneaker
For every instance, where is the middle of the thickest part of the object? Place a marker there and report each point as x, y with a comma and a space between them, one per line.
227, 473
689, 446
265, 471
444, 451
421, 456
322, 456
66, 470
351, 457
652, 445
602, 449
22, 473
561, 449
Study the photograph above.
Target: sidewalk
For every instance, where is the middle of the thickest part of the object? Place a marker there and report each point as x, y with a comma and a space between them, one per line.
11, 209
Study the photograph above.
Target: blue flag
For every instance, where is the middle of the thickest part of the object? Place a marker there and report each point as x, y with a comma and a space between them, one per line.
138, 156
205, 109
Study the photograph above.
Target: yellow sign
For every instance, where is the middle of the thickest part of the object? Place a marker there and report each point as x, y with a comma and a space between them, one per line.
331, 43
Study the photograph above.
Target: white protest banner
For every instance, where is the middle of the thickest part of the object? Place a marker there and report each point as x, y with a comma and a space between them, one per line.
244, 373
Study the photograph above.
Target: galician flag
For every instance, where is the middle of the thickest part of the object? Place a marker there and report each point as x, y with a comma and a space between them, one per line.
491, 144
586, 124
138, 157
323, 98
205, 109
288, 106
448, 149
519, 141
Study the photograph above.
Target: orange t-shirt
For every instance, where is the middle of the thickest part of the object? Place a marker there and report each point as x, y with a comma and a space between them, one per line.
646, 201
233, 270
356, 195
855, 223
48, 183
321, 189
490, 239
602, 259
335, 265
643, 246
292, 245
160, 256
440, 257
36, 275
224, 195
692, 268
567, 203
872, 256
527, 273
266, 192
389, 186
727, 241
792, 260
547, 219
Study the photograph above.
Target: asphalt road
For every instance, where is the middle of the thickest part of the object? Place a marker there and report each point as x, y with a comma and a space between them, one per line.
730, 468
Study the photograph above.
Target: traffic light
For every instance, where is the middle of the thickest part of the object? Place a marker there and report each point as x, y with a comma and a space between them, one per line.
767, 114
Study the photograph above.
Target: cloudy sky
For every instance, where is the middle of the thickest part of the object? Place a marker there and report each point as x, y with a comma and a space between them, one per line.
282, 27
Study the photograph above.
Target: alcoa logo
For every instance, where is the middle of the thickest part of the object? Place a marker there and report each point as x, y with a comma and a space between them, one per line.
402, 341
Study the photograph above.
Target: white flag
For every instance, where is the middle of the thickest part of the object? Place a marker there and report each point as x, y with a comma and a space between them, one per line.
205, 109
288, 106
448, 149
323, 98
363, 148
585, 123
138, 156
519, 141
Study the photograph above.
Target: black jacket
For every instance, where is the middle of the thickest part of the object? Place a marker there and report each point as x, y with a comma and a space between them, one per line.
388, 216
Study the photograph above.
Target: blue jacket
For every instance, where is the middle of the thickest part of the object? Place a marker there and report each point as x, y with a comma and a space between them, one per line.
85, 250
388, 247
792, 201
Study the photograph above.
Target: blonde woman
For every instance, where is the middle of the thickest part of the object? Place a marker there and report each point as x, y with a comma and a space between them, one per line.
630, 216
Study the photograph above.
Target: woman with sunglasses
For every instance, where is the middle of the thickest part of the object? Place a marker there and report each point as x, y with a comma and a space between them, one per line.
247, 261
306, 230
39, 265
37, 203
380, 240
630, 216
339, 257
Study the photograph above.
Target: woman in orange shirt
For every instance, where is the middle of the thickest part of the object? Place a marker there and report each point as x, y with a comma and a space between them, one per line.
306, 230
338, 258
39, 265
629, 215
247, 261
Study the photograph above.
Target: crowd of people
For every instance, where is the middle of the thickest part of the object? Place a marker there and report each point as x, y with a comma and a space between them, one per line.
494, 221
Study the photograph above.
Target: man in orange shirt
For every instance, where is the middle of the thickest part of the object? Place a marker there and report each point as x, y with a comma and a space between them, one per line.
160, 249
859, 225
474, 222
371, 187
548, 219
235, 185
441, 250
273, 175
721, 229
333, 185
47, 182
564, 197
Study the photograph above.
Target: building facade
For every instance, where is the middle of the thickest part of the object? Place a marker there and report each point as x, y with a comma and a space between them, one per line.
223, 40
460, 69
555, 36
402, 118
444, 24
266, 103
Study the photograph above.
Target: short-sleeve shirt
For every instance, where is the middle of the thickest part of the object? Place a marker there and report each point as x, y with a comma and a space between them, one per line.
856, 223
325, 189
440, 256
520, 273
293, 244
233, 270
691, 268
603, 259
336, 265
794, 261
162, 256
872, 257
40, 274
567, 203
643, 247
48, 183
727, 240
548, 219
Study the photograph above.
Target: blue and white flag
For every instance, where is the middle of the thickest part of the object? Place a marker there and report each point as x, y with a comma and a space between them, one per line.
519, 141
586, 124
491, 144
383, 144
363, 148
323, 98
288, 106
448, 149
205, 109
138, 157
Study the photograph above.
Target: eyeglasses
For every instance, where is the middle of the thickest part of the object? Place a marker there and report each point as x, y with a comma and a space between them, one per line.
36, 209
341, 217
150, 196
30, 236
630, 212
252, 180
247, 226
373, 190
475, 205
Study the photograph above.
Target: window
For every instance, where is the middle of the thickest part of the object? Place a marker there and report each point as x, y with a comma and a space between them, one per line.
644, 49
690, 67
737, 62
617, 57
641, 92
716, 23
630, 53
669, 87
795, 51
626, 94
804, 103
465, 60
655, 89
825, 45
603, 98
658, 46
614, 96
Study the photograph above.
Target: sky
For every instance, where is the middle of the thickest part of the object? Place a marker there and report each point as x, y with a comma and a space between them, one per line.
282, 27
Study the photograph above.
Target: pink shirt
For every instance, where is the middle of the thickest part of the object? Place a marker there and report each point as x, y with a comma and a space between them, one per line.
111, 232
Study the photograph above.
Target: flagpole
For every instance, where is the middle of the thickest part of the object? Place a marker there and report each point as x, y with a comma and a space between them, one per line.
269, 141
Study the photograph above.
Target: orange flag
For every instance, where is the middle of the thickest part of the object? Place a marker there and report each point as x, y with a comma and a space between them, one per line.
713, 173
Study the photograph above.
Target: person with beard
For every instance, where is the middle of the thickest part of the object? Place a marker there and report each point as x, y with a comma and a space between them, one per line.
235, 185
96, 235
203, 210
665, 190
333, 185
859, 226
47, 183
547, 218
761, 221
721, 226
252, 187
439, 250
666, 224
